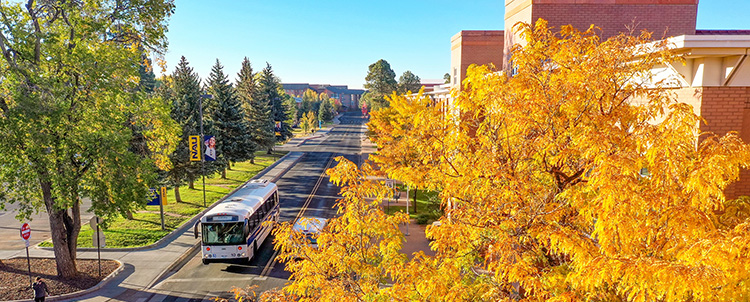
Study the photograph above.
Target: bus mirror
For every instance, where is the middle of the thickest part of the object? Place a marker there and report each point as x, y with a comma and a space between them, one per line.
195, 229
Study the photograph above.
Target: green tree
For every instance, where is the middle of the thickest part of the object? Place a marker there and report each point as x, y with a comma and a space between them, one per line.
309, 99
233, 139
68, 88
185, 94
257, 111
270, 91
447, 78
381, 81
409, 83
290, 105
309, 122
326, 112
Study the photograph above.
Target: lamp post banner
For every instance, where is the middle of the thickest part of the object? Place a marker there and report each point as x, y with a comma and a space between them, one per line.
210, 142
195, 147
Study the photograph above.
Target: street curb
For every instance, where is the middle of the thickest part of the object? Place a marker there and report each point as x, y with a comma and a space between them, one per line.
79, 293
185, 257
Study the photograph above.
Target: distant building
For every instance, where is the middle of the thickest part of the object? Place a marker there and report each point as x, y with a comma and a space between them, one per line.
348, 98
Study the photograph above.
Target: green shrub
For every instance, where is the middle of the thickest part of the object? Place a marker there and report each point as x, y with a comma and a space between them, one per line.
423, 218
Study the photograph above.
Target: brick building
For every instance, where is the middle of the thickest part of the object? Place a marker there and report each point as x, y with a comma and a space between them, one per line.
715, 78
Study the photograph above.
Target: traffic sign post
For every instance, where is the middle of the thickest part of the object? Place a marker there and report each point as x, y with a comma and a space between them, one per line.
25, 235
97, 239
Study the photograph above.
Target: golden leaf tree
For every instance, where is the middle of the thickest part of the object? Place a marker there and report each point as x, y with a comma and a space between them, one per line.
576, 177
357, 252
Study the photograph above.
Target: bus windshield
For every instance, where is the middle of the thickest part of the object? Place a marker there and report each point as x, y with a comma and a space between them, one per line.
223, 233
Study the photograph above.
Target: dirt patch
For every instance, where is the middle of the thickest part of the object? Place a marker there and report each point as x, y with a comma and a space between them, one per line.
14, 276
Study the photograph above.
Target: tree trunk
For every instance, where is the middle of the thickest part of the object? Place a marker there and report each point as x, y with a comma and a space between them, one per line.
129, 215
270, 149
415, 199
177, 194
191, 184
63, 232
229, 166
224, 174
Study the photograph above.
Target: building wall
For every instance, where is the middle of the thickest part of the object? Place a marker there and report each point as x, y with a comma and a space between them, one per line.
479, 47
664, 18
727, 109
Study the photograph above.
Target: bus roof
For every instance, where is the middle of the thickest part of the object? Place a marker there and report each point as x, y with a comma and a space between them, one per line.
245, 201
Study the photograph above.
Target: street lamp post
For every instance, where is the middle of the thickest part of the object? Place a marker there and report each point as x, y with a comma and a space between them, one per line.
203, 157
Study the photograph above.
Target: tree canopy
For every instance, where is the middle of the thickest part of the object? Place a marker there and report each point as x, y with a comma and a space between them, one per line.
541, 176
257, 111
269, 91
381, 81
68, 89
233, 135
409, 83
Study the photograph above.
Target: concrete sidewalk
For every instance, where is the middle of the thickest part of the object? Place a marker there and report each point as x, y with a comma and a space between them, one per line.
145, 266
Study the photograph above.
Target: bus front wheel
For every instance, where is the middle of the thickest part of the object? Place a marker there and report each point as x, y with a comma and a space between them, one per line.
205, 261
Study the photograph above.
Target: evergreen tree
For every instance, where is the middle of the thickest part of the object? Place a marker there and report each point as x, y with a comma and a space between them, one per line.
381, 81
409, 82
231, 130
257, 111
147, 78
269, 90
325, 113
185, 94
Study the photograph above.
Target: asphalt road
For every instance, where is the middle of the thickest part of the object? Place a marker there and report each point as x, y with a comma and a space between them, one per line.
305, 181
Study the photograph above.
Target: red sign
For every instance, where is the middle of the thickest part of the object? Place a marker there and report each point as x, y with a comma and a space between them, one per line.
25, 231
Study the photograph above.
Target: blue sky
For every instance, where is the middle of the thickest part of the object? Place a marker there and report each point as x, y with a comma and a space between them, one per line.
333, 42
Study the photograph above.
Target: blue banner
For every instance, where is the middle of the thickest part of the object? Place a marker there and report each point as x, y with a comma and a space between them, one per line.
155, 198
210, 143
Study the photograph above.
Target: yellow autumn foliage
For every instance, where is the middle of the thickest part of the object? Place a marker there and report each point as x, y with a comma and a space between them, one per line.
542, 175
578, 177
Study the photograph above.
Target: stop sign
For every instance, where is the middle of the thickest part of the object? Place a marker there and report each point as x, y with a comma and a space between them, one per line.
25, 231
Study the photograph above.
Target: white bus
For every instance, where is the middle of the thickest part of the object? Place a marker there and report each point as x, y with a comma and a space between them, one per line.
234, 229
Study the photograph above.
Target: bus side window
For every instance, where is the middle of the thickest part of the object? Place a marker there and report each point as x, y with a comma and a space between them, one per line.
268, 205
252, 222
275, 198
262, 210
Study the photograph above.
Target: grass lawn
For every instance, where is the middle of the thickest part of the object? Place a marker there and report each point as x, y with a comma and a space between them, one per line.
145, 227
428, 206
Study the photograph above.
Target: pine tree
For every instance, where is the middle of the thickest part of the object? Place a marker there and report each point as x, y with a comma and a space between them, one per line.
325, 113
185, 94
409, 82
233, 140
257, 111
269, 90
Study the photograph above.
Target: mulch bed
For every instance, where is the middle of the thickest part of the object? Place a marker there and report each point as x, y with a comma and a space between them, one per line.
14, 276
